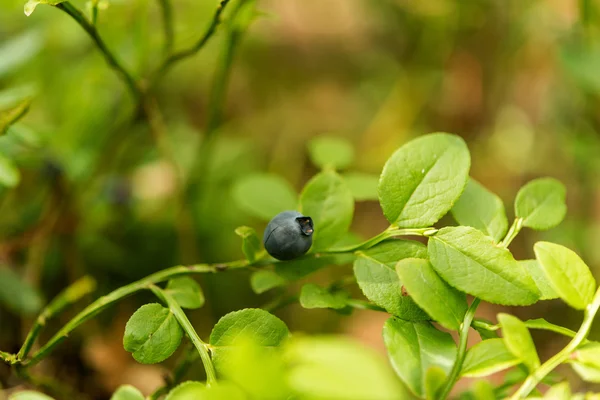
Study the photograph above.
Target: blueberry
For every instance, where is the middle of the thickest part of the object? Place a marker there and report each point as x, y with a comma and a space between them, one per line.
288, 235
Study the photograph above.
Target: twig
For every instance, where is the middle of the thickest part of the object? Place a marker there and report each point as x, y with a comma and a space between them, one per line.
167, 20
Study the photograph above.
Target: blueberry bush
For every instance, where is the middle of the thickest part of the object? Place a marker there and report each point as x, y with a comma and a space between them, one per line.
428, 274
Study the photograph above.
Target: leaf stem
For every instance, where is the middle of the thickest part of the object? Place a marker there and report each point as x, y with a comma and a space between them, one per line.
78, 16
387, 234
536, 376
185, 323
531, 324
167, 20
462, 349
514, 230
70, 295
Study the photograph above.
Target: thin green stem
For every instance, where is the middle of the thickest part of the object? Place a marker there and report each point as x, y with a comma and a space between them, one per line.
536, 376
105, 301
180, 55
514, 230
462, 350
167, 20
211, 376
531, 324
70, 295
80, 18
387, 234
364, 305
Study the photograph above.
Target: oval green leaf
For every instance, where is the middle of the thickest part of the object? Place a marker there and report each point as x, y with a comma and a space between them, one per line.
249, 324
198, 391
264, 280
376, 276
423, 179
442, 302
327, 151
588, 354
568, 275
363, 186
481, 209
414, 347
541, 203
186, 291
328, 201
264, 195
471, 262
152, 334
250, 242
518, 340
314, 296
487, 358
127, 392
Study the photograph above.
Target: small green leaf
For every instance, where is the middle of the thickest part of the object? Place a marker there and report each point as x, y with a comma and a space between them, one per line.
328, 201
485, 334
337, 368
568, 275
264, 280
29, 395
17, 295
481, 209
13, 114
588, 354
152, 334
186, 292
435, 377
314, 296
483, 390
18, 50
561, 391
541, 203
249, 324
326, 151
127, 392
423, 179
442, 302
518, 340
414, 347
539, 277
363, 186
471, 262
32, 4
487, 358
587, 372
9, 174
250, 242
198, 391
264, 195
376, 276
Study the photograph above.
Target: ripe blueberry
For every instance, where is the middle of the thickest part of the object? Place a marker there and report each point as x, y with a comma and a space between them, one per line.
288, 235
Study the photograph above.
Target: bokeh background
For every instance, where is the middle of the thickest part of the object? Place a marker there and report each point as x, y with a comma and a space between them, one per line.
98, 194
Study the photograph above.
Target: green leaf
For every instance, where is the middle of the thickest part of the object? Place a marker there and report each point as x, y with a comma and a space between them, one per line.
568, 275
423, 179
587, 372
264, 195
481, 209
127, 392
588, 354
483, 390
264, 280
9, 174
326, 151
250, 242
337, 368
13, 114
17, 295
363, 186
442, 302
314, 296
29, 395
541, 203
485, 333
198, 391
32, 4
539, 277
414, 347
560, 391
471, 262
487, 358
186, 292
18, 50
328, 201
376, 276
152, 334
249, 324
435, 377
519, 341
